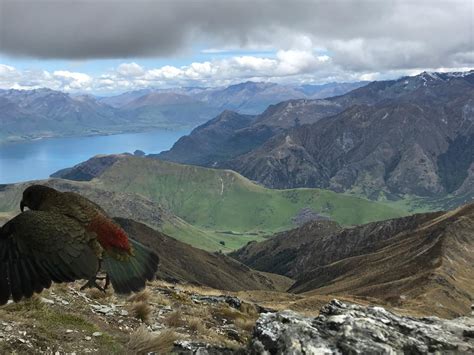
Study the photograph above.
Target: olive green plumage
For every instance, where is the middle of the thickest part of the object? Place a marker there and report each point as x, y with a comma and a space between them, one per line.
66, 237
37, 248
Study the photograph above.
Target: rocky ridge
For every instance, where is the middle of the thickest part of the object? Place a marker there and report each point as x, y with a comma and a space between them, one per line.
351, 329
182, 319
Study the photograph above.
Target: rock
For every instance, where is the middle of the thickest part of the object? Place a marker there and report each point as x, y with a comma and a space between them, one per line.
97, 334
103, 309
88, 338
188, 348
348, 328
46, 300
231, 301
123, 312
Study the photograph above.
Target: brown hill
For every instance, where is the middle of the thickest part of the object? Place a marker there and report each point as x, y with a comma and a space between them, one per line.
183, 263
423, 262
279, 253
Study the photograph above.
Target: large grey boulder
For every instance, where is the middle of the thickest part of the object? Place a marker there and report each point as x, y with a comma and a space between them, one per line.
351, 329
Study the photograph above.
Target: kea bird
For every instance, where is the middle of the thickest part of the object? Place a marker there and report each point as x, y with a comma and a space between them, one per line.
65, 237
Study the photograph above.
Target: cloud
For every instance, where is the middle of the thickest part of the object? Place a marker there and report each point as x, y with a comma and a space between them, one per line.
359, 35
285, 66
71, 81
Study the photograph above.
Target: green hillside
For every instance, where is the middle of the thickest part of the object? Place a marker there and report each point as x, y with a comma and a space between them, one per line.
208, 208
227, 203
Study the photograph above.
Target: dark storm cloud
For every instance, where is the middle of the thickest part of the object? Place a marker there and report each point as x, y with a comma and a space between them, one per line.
375, 34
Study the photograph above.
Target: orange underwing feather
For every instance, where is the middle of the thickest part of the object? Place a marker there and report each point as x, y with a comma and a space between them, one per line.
110, 236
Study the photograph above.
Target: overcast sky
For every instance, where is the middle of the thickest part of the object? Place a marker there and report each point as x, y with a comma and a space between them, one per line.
107, 46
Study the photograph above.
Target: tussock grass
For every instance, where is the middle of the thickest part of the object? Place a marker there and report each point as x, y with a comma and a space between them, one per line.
197, 326
143, 296
161, 299
244, 319
97, 294
226, 312
143, 342
174, 319
141, 310
30, 304
246, 324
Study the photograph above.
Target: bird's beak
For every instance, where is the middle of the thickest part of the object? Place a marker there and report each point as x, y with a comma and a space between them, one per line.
22, 206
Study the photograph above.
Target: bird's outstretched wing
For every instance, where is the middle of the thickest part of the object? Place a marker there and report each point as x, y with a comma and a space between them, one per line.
37, 248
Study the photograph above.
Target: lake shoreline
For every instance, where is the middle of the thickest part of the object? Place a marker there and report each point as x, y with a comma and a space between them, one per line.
23, 139
26, 160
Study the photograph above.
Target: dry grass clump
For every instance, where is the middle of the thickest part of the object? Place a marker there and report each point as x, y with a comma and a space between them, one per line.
246, 324
181, 298
143, 342
249, 309
223, 311
141, 310
61, 287
174, 319
197, 310
197, 326
97, 294
32, 303
142, 296
161, 300
244, 319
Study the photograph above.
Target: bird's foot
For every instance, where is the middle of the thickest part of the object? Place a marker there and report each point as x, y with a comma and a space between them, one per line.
92, 283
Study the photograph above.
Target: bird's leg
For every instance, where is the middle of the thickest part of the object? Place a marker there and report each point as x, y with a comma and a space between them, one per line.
92, 282
107, 281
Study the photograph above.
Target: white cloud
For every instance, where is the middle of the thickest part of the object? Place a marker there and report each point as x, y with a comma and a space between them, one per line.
73, 81
130, 69
286, 66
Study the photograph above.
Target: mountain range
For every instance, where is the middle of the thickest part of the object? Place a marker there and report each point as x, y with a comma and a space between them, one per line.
247, 97
389, 139
40, 113
423, 261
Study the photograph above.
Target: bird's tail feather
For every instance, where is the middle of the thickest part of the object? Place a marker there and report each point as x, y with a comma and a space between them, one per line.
130, 275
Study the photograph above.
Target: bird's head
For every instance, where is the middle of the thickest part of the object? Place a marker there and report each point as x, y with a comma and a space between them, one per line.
34, 195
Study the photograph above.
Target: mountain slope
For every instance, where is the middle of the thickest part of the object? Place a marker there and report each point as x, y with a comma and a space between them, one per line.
44, 112
170, 108
279, 253
231, 135
224, 201
388, 138
180, 262
217, 140
394, 146
409, 261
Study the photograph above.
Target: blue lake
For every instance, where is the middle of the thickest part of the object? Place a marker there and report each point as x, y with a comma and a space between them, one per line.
22, 161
